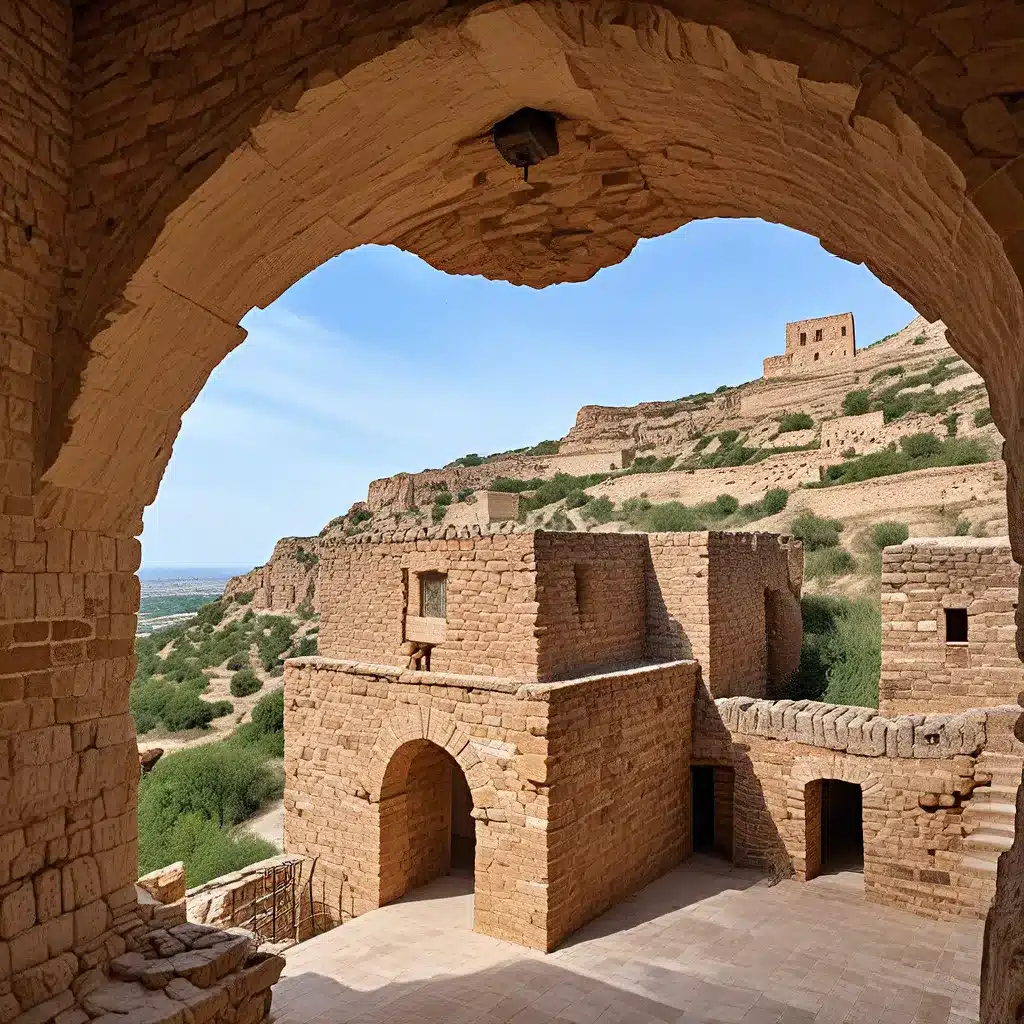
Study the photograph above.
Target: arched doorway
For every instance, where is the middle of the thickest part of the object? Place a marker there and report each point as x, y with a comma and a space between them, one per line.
834, 823
426, 824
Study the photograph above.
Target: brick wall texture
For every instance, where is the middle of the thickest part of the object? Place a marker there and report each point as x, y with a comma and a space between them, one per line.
286, 581
921, 671
579, 788
806, 352
552, 605
922, 781
166, 167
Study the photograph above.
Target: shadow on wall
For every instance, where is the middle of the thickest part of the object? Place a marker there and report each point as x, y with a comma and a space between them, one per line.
666, 637
757, 842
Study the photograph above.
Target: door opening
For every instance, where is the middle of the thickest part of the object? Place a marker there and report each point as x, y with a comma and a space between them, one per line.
842, 826
711, 799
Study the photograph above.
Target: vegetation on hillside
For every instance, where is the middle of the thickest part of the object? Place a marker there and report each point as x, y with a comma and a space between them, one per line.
192, 801
894, 400
841, 657
918, 451
791, 421
170, 674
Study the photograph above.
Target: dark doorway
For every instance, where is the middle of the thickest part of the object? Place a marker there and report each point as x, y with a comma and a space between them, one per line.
842, 826
702, 797
463, 826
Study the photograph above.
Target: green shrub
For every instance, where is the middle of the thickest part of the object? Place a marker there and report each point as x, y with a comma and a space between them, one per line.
840, 660
437, 513
576, 499
306, 647
795, 421
919, 340
443, 498
513, 485
544, 448
962, 528
920, 445
245, 597
185, 709
888, 534
238, 661
815, 531
856, 403
890, 371
728, 437
361, 515
558, 487
599, 510
221, 708
951, 424
982, 417
268, 714
954, 451
470, 460
724, 505
464, 493
703, 442
670, 517
651, 464
775, 500
244, 682
559, 522
827, 563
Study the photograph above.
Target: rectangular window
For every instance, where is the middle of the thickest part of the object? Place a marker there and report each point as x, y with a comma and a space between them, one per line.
816, 354
817, 334
803, 337
434, 595
844, 330
956, 625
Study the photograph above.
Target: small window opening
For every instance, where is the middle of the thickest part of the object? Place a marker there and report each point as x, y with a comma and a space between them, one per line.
844, 331
817, 334
956, 625
434, 595
816, 354
803, 337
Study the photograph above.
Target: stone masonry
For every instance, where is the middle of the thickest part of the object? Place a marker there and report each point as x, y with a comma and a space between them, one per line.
925, 781
553, 605
812, 345
926, 584
286, 581
165, 167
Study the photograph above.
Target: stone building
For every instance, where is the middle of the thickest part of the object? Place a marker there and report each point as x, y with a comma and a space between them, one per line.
548, 745
813, 345
948, 606
286, 581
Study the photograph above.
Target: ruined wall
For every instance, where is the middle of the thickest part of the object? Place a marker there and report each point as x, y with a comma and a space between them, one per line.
756, 627
618, 789
862, 433
491, 590
921, 670
286, 581
591, 602
920, 777
706, 600
813, 344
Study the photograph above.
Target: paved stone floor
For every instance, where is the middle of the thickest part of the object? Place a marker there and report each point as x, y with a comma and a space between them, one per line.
705, 944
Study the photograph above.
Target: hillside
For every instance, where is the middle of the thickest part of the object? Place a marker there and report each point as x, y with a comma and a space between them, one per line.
843, 442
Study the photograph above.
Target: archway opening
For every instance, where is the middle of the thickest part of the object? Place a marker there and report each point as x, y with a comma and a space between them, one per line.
711, 806
426, 824
834, 815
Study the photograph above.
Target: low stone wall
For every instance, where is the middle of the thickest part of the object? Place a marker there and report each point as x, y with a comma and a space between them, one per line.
264, 897
918, 776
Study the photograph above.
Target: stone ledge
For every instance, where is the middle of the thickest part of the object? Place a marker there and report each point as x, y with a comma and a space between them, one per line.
856, 730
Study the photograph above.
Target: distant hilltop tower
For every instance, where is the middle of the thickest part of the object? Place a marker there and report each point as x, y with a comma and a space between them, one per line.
813, 345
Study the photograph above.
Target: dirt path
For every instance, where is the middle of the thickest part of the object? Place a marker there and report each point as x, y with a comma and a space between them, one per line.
269, 823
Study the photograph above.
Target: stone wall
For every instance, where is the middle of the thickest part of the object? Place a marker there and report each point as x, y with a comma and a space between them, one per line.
286, 581
813, 344
491, 584
354, 734
618, 747
919, 775
922, 671
591, 602
728, 600
862, 433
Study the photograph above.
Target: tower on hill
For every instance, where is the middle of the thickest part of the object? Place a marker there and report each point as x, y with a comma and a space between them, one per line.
813, 345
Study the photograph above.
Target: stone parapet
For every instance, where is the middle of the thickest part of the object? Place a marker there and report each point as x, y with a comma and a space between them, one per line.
862, 731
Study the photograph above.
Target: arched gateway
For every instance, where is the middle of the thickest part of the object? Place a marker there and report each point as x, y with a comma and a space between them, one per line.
166, 167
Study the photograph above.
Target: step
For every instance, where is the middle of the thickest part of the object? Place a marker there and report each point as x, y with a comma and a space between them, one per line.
979, 865
998, 814
988, 839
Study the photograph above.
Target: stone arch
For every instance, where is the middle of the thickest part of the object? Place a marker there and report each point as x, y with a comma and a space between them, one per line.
437, 728
417, 816
803, 795
167, 131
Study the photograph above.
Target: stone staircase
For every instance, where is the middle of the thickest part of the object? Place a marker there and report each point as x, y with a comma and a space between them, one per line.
990, 813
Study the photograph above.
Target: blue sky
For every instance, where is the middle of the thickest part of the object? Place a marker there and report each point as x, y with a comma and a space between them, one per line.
376, 363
